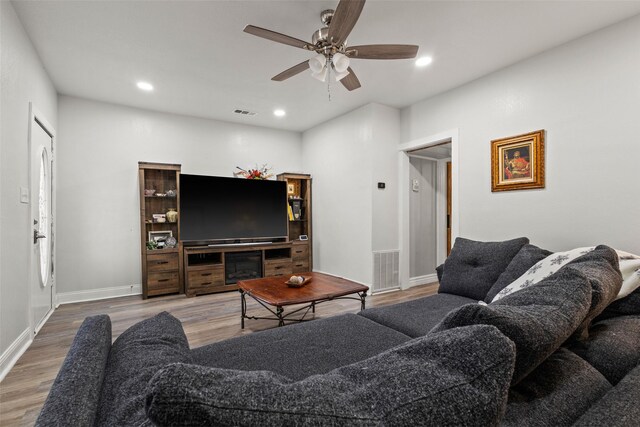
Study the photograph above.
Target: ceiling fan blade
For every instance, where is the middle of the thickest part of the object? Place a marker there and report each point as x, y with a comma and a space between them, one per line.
351, 82
276, 37
343, 20
383, 51
296, 69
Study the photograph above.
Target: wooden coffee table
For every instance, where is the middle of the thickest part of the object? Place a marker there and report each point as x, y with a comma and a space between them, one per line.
272, 292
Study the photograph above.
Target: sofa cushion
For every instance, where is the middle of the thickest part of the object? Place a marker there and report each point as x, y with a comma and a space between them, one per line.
136, 355
556, 393
416, 317
526, 258
618, 408
74, 395
629, 305
473, 267
416, 383
537, 319
304, 349
613, 346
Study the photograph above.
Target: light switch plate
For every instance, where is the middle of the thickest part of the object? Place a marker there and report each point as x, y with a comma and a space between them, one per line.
415, 185
24, 195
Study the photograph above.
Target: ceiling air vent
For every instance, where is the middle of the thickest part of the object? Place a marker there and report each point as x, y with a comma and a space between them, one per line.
244, 112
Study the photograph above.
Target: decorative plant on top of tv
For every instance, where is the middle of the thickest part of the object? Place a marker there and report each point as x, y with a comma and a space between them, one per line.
256, 173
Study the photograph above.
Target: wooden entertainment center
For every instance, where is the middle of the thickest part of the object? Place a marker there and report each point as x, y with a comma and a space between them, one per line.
198, 270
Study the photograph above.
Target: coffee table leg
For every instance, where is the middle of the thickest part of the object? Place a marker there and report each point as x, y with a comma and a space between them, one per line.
363, 295
279, 311
243, 311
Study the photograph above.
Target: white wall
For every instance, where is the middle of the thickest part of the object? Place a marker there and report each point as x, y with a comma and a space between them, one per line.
98, 204
586, 95
347, 157
337, 155
22, 80
385, 122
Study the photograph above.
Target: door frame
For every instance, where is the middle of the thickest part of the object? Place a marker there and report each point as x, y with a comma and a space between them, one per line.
37, 118
404, 217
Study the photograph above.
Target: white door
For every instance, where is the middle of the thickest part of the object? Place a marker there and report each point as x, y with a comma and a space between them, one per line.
41, 238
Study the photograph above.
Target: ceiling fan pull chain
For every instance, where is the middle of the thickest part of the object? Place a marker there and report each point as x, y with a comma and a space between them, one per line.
329, 83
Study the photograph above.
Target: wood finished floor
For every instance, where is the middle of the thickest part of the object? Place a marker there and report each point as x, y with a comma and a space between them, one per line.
206, 319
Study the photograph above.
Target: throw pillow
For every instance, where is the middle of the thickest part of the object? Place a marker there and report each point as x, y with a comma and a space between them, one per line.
630, 269
526, 258
135, 357
537, 319
473, 267
541, 270
416, 383
439, 270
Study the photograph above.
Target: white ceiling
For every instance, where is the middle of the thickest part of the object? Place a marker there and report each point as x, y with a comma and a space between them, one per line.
202, 63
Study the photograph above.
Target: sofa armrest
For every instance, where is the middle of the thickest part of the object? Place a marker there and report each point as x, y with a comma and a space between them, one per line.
73, 399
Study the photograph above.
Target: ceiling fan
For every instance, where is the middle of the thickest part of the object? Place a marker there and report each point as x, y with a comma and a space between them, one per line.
330, 44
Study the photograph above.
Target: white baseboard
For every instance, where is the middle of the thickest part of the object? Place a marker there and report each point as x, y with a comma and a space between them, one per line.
98, 294
422, 280
13, 353
44, 319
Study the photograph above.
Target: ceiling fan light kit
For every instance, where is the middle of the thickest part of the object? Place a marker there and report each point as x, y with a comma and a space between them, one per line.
340, 62
321, 75
330, 45
317, 63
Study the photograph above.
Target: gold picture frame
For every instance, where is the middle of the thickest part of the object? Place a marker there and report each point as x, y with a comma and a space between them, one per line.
517, 162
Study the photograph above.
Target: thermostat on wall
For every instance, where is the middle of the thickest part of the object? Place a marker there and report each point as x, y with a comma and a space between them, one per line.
304, 237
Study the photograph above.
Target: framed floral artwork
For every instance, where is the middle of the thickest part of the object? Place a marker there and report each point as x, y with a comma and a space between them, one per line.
517, 162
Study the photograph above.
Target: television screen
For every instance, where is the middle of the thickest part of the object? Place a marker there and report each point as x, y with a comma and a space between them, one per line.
215, 208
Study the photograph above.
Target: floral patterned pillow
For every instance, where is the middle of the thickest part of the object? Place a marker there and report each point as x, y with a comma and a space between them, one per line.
543, 269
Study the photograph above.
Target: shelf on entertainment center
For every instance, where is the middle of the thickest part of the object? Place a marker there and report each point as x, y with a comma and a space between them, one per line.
207, 258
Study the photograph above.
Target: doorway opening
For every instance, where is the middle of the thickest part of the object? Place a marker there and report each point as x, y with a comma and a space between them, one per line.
429, 210
41, 221
429, 219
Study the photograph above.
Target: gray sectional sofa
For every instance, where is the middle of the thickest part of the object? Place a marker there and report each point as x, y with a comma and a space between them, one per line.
558, 353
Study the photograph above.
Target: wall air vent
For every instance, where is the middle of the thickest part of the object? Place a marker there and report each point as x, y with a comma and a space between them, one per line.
386, 271
244, 112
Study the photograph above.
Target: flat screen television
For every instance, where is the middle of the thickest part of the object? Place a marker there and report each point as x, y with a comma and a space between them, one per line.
216, 209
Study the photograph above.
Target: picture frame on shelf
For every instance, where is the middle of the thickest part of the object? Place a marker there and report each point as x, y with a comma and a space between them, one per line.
517, 162
160, 236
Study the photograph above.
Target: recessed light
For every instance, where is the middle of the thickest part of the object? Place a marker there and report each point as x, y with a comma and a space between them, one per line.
146, 86
423, 61
279, 113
